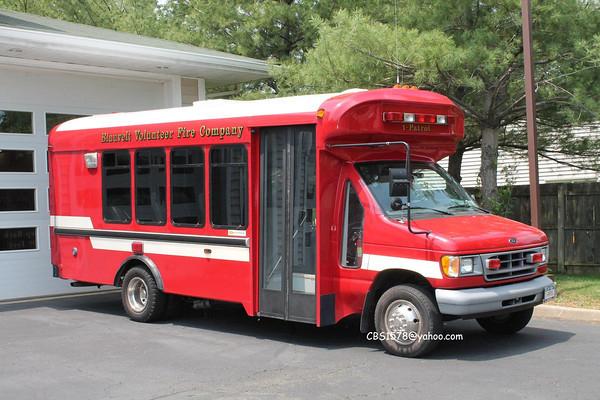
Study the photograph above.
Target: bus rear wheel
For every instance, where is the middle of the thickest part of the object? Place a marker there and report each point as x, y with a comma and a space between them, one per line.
407, 321
142, 299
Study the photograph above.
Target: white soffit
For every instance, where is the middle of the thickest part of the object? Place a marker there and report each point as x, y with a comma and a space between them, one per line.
46, 40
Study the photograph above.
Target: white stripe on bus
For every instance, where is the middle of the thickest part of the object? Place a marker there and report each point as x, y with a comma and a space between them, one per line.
174, 248
195, 250
376, 262
68, 221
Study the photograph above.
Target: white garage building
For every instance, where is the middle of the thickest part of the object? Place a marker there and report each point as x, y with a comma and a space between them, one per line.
51, 71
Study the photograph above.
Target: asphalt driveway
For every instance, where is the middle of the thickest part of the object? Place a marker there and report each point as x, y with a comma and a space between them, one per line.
86, 348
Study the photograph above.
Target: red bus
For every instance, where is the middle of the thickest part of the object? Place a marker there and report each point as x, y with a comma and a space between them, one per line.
309, 208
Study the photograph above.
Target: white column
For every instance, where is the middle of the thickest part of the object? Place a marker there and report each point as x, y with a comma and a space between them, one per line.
201, 89
173, 92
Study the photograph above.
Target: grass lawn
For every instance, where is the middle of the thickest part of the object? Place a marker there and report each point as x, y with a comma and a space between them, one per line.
578, 291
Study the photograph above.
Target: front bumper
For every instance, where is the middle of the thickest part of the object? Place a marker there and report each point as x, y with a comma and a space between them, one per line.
492, 300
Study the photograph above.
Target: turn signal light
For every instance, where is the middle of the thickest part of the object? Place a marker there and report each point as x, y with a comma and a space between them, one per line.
450, 266
493, 263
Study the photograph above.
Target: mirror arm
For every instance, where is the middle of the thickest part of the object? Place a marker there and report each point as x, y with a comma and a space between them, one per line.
409, 173
408, 170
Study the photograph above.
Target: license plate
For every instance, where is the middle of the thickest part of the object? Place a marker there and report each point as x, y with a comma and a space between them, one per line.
549, 293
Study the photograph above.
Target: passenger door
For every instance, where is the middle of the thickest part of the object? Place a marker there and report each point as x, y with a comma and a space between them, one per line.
288, 218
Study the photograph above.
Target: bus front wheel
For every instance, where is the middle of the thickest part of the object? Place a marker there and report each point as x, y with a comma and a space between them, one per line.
142, 299
407, 321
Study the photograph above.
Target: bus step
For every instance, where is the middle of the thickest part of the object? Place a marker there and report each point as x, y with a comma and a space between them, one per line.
83, 284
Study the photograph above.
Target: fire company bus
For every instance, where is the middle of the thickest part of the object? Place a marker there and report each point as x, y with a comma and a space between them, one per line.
308, 208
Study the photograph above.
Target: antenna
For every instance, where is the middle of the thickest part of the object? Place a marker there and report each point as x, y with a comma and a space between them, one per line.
396, 37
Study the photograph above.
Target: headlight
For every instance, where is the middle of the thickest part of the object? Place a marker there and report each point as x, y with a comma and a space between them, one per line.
455, 266
466, 266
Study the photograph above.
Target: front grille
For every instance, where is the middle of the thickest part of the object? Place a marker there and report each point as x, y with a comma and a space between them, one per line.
512, 264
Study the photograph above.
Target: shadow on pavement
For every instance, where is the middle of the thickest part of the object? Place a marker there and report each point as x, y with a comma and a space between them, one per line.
105, 303
476, 345
479, 345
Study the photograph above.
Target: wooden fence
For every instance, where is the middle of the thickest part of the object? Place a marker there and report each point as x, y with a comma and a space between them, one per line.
570, 216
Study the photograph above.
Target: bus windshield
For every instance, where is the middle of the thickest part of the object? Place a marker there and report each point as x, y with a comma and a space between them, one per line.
433, 191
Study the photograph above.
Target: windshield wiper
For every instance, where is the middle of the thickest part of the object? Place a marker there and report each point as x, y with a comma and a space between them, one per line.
429, 208
468, 205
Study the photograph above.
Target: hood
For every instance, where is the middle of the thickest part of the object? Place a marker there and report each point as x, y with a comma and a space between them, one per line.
482, 233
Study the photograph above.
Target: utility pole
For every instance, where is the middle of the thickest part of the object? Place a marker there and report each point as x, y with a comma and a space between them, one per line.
534, 187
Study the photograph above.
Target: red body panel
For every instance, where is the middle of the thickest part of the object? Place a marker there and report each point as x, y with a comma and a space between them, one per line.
349, 118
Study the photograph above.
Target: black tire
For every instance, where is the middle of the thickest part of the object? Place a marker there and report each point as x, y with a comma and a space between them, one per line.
153, 307
430, 321
506, 324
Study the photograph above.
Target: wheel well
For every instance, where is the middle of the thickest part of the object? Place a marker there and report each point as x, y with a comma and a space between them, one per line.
127, 265
138, 261
383, 281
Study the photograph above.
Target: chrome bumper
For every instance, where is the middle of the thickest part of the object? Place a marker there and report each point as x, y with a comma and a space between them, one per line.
491, 300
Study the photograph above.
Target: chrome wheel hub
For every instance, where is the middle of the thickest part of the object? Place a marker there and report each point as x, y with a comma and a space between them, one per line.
402, 322
137, 294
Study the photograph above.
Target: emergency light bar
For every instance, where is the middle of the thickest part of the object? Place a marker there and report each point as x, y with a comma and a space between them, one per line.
412, 118
494, 263
535, 258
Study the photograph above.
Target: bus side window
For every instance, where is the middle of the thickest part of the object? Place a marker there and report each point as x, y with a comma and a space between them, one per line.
150, 187
353, 229
187, 186
116, 186
229, 186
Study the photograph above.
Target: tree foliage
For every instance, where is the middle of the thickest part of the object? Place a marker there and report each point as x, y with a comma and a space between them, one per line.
278, 31
134, 16
249, 28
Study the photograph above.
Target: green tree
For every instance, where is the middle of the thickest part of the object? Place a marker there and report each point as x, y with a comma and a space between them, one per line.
266, 29
471, 51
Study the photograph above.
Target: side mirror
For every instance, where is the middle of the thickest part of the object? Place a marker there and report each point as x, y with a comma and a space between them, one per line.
397, 204
399, 182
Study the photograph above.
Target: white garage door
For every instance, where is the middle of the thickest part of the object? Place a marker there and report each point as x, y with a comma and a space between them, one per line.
31, 102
